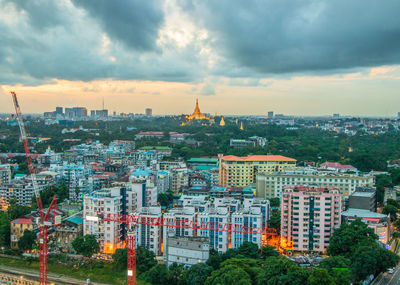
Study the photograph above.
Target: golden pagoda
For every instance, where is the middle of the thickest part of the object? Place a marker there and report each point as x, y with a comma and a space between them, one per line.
197, 115
222, 122
241, 126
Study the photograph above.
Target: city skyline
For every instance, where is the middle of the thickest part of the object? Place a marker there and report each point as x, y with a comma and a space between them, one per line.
310, 58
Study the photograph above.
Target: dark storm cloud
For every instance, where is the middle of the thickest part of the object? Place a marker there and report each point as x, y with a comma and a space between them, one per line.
126, 39
41, 13
132, 22
284, 36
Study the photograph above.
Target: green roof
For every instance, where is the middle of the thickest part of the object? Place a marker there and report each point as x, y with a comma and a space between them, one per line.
156, 147
201, 159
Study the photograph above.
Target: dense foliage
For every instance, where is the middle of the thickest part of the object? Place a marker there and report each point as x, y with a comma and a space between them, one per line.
27, 240
355, 247
305, 144
86, 245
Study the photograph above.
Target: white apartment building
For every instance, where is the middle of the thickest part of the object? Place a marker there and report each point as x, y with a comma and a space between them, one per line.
147, 235
179, 179
5, 174
270, 185
162, 181
250, 217
108, 234
309, 217
217, 217
74, 175
187, 250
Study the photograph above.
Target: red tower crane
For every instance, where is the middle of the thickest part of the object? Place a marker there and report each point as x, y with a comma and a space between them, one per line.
45, 222
133, 220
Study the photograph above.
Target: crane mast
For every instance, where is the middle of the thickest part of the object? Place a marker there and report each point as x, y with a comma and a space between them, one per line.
44, 222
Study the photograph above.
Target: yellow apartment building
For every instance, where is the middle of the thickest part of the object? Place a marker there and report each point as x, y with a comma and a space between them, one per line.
242, 171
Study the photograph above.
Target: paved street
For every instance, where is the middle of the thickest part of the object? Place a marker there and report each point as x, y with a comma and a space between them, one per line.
34, 275
390, 279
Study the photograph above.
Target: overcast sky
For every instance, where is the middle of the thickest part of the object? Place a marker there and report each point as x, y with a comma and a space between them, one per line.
300, 57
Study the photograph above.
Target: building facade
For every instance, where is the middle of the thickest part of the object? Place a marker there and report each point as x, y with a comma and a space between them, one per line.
309, 216
187, 251
242, 171
270, 184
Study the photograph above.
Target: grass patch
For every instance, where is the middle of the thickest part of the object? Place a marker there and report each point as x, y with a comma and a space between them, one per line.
97, 272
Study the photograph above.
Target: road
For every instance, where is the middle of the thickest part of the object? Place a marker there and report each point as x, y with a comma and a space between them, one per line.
389, 279
51, 277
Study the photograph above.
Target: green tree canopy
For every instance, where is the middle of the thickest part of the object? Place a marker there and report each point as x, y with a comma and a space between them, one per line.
147, 259
334, 262
347, 238
249, 250
371, 259
198, 274
86, 245
27, 241
320, 276
229, 275
390, 210
120, 258
280, 270
267, 251
157, 275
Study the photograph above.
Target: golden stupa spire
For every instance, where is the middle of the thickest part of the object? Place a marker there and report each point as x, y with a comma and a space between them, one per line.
222, 122
241, 126
196, 113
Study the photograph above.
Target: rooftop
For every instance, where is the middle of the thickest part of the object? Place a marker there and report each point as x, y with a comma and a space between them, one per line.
361, 213
363, 194
257, 158
22, 221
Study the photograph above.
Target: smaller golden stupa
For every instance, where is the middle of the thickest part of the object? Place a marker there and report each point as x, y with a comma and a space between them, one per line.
241, 126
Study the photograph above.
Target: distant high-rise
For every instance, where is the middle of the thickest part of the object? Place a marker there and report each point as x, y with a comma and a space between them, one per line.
92, 113
336, 115
270, 114
149, 112
398, 115
102, 113
114, 114
59, 110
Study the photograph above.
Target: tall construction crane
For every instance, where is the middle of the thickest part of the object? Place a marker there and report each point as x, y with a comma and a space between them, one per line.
132, 221
45, 221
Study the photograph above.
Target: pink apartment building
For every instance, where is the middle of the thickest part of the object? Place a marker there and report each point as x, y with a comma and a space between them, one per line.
309, 216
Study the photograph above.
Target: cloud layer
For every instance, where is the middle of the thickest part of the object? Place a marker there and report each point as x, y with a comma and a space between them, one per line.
188, 41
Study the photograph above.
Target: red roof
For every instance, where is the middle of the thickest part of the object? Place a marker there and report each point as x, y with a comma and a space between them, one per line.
23, 221
151, 133
258, 158
337, 165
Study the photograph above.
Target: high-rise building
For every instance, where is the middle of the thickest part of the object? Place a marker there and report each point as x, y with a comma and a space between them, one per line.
107, 233
219, 216
398, 115
270, 114
270, 184
248, 217
149, 112
59, 111
242, 171
102, 113
92, 113
149, 236
309, 217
